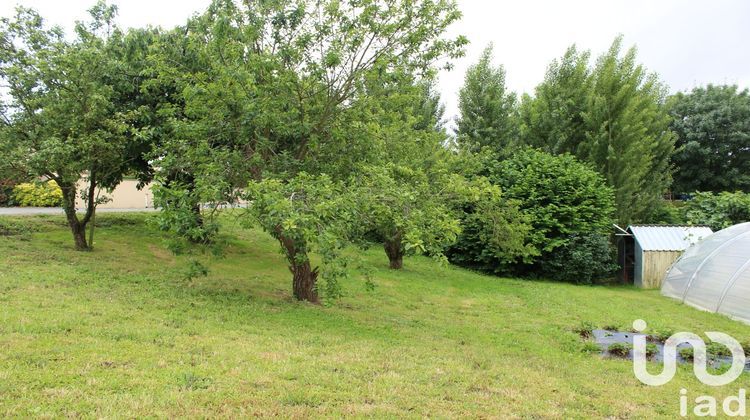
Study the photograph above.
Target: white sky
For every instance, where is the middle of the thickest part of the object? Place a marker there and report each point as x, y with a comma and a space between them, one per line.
688, 42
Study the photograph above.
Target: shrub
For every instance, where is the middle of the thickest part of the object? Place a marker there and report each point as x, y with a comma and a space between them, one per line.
38, 194
564, 201
651, 350
718, 211
584, 259
562, 195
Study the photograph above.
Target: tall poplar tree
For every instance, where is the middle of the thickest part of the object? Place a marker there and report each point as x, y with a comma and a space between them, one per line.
487, 111
611, 115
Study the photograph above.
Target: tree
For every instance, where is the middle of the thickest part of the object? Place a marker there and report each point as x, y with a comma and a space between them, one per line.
712, 124
306, 214
627, 136
71, 113
612, 116
283, 76
397, 173
553, 119
406, 212
487, 112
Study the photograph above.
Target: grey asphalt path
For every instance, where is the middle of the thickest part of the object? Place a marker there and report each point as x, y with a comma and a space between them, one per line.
31, 211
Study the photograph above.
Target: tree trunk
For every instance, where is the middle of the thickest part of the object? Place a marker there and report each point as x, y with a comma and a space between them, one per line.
198, 217
304, 277
395, 252
76, 226
304, 281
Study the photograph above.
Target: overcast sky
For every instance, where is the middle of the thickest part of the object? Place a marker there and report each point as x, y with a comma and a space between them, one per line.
687, 42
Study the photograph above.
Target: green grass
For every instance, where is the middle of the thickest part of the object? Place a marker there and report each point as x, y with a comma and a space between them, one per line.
120, 332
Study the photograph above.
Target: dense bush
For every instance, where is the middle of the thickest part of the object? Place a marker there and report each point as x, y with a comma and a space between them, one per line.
561, 195
561, 199
718, 211
584, 259
38, 194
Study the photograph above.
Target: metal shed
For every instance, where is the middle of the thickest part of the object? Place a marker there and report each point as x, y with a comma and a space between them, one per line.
646, 252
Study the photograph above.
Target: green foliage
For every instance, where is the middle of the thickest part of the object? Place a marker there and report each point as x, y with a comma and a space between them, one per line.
560, 196
668, 213
181, 213
306, 214
70, 113
718, 349
584, 259
192, 382
661, 335
718, 211
712, 124
585, 329
553, 120
46, 194
619, 349
651, 350
195, 269
590, 347
612, 116
494, 229
400, 205
687, 353
487, 112
6, 192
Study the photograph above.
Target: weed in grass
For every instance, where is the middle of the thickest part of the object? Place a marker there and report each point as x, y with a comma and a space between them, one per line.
718, 350
192, 382
687, 353
590, 347
661, 335
619, 349
195, 269
611, 327
585, 329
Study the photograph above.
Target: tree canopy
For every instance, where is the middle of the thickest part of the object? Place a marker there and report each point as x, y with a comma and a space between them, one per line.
712, 124
611, 115
487, 111
73, 111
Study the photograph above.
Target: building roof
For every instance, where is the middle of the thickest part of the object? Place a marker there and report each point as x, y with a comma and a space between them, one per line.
668, 238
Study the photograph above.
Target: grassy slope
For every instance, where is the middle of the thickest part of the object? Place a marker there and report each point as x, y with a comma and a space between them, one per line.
119, 332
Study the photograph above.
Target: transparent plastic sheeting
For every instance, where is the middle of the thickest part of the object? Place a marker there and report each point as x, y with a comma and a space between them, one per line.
714, 274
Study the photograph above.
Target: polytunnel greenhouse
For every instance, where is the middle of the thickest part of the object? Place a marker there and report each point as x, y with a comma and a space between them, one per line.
714, 274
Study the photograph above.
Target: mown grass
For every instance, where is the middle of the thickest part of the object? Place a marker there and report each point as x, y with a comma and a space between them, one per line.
120, 332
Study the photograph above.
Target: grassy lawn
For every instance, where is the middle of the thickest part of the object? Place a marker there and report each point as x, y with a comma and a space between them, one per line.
120, 332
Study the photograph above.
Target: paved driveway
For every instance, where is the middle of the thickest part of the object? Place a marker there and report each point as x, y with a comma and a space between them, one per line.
30, 211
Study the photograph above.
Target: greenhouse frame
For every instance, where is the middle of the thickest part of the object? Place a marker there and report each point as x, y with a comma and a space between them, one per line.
714, 274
